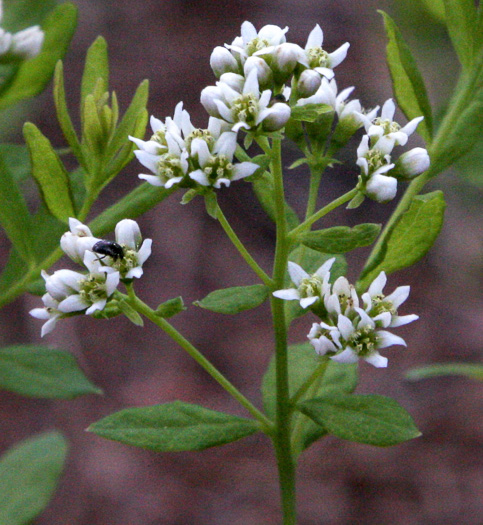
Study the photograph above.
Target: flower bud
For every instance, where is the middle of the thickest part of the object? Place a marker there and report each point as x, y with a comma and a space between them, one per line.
381, 188
308, 84
412, 163
264, 73
207, 99
222, 61
128, 233
277, 118
286, 57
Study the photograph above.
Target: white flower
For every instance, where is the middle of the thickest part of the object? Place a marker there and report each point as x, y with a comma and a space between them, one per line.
385, 126
324, 338
310, 288
360, 339
384, 308
50, 312
79, 239
222, 61
320, 60
341, 298
412, 163
252, 41
246, 108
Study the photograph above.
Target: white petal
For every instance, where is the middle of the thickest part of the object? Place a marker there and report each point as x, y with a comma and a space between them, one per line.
200, 177
403, 319
200, 149
345, 326
400, 294
388, 339
73, 303
127, 232
288, 294
112, 281
136, 273
171, 182
316, 38
338, 55
48, 326
248, 32
346, 356
376, 360
40, 313
297, 273
151, 179
323, 345
308, 301
226, 145
244, 169
388, 109
251, 84
377, 285
411, 126
98, 305
147, 160
145, 251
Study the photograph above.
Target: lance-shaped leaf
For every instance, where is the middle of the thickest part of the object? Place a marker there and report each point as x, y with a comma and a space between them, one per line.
173, 427
471, 370
341, 239
461, 21
234, 300
370, 419
170, 308
38, 371
302, 362
14, 216
408, 84
29, 474
95, 78
49, 173
411, 238
63, 116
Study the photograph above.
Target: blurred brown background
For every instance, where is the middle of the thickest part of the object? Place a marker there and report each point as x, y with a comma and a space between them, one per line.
434, 480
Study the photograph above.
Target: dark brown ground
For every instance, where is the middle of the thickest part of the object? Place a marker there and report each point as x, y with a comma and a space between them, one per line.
434, 480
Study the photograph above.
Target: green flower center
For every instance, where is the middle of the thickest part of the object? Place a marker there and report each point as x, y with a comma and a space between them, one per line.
375, 159
387, 125
127, 262
169, 166
203, 134
160, 138
311, 286
245, 109
380, 306
255, 45
318, 57
364, 341
218, 167
93, 288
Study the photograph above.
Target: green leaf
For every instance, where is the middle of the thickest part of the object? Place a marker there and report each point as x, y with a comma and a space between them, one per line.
370, 419
38, 371
129, 121
15, 218
96, 69
302, 362
310, 112
34, 74
408, 84
234, 300
173, 427
170, 308
411, 238
461, 17
471, 370
17, 161
49, 173
130, 313
93, 137
29, 474
464, 134
63, 116
211, 204
341, 239
263, 188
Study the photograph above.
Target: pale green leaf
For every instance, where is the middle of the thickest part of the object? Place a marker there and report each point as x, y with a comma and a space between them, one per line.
471, 370
170, 308
173, 427
461, 17
235, 300
96, 69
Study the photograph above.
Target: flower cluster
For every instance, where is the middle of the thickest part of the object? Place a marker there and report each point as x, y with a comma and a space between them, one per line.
178, 153
351, 328
378, 173
22, 45
69, 292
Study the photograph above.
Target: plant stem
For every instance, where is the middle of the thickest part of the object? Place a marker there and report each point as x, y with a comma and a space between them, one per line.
241, 248
322, 212
143, 308
281, 440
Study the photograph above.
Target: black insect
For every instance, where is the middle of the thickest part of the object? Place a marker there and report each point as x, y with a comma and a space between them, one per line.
277, 98
108, 248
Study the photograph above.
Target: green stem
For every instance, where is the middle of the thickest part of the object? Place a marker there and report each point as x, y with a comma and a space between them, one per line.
241, 248
144, 309
316, 374
322, 212
285, 461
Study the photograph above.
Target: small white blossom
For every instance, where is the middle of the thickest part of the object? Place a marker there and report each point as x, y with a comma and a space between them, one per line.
245, 109
308, 83
381, 188
310, 288
318, 59
385, 126
50, 313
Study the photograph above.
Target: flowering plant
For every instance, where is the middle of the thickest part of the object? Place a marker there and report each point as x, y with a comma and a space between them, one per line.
266, 90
